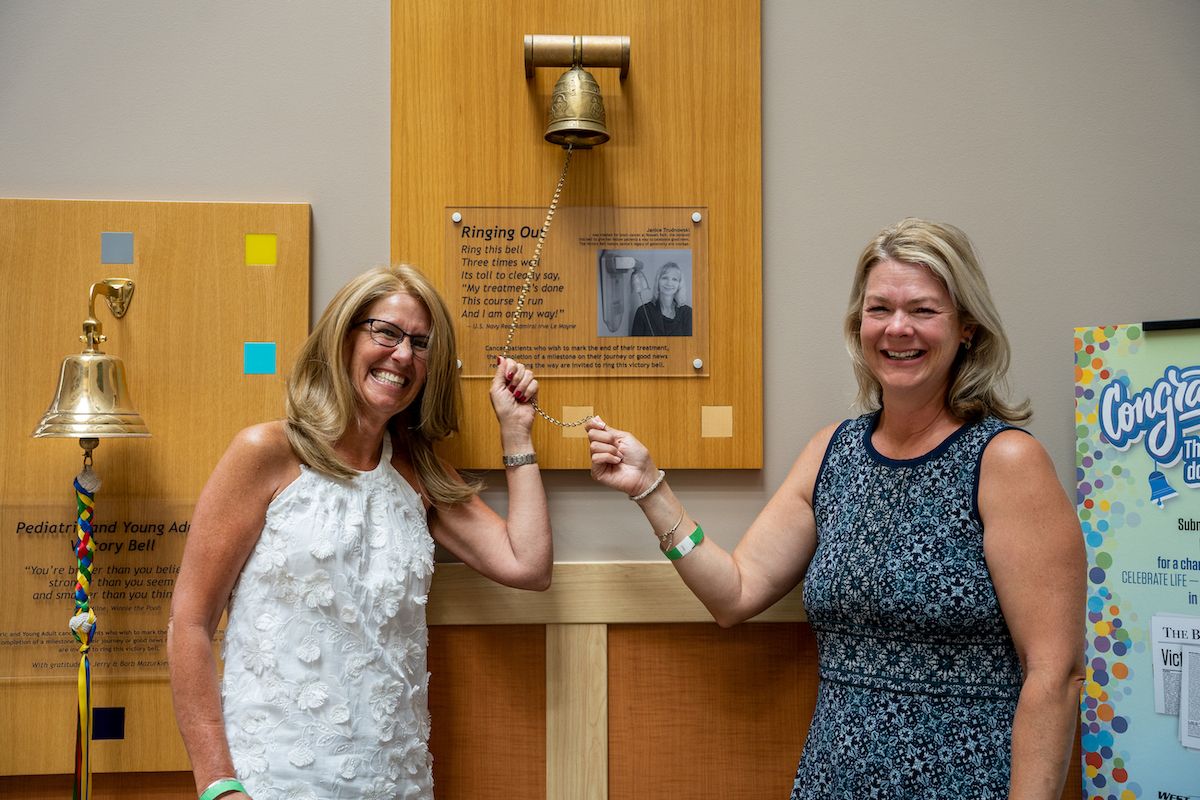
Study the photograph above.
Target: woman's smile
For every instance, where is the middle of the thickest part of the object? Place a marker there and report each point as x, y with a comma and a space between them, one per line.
911, 331
388, 379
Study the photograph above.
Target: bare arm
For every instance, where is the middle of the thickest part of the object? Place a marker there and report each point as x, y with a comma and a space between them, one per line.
770, 559
1034, 551
517, 550
226, 524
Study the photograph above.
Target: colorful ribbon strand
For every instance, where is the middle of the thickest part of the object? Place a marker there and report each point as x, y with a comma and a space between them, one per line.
83, 627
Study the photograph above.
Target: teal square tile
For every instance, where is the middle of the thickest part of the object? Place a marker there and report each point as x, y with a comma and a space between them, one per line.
258, 358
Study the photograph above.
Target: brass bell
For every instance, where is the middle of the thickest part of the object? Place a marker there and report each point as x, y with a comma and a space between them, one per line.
92, 400
576, 111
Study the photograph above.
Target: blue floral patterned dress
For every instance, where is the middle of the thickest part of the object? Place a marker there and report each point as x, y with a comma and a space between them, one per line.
919, 676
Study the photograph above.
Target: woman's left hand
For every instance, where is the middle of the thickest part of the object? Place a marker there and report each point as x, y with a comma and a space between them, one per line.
513, 392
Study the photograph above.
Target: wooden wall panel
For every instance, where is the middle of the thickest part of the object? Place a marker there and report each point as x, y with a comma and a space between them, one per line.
600, 593
698, 711
577, 712
742, 696
172, 785
105, 786
195, 303
487, 697
467, 131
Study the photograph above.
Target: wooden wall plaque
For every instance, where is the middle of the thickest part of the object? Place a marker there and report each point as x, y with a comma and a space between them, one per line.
467, 130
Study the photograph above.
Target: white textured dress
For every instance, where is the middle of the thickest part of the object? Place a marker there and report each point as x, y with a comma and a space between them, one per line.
325, 690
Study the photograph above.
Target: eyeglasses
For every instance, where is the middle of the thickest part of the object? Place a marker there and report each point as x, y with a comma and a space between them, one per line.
386, 334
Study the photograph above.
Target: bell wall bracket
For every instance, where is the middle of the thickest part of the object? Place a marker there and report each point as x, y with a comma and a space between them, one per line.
118, 293
555, 50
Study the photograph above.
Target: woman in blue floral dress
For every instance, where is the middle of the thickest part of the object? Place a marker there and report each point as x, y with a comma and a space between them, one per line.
943, 566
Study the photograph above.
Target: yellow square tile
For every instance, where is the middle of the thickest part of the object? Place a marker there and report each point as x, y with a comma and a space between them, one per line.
716, 422
572, 413
261, 249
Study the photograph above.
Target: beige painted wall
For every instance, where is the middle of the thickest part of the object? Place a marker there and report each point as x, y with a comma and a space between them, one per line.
1062, 135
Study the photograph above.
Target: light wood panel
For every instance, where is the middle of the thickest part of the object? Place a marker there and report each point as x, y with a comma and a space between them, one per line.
41, 727
195, 304
614, 592
467, 130
576, 712
487, 697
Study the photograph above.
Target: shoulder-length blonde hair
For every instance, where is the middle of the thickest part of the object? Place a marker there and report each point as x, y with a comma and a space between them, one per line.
681, 295
977, 379
322, 403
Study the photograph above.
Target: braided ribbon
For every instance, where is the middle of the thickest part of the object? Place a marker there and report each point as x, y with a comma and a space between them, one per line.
83, 625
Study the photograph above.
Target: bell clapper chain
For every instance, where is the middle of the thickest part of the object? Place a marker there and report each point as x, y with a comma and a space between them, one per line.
533, 266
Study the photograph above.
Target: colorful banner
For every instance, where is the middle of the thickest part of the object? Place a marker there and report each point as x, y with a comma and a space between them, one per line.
1137, 416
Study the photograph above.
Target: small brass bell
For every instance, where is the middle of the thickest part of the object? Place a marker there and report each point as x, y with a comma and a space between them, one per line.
576, 111
92, 400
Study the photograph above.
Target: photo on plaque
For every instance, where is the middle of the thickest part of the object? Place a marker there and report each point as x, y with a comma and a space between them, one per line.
644, 292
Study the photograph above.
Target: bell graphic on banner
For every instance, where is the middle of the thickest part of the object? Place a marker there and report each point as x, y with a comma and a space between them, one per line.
1160, 490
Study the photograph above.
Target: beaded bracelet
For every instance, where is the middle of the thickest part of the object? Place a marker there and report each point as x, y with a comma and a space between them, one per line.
222, 786
657, 482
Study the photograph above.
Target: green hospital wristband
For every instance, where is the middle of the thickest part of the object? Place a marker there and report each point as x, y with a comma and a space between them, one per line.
687, 545
222, 786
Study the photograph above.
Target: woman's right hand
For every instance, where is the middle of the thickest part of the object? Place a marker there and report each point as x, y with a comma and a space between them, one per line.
619, 460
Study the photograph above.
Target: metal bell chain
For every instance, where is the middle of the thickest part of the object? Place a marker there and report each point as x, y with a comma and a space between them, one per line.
533, 266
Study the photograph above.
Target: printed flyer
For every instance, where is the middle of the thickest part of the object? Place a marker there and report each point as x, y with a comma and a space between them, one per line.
1137, 416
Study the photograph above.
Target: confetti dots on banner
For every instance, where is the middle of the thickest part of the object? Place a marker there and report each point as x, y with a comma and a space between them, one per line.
1102, 517
262, 249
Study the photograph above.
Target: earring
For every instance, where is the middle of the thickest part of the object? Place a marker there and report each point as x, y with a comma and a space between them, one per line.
966, 344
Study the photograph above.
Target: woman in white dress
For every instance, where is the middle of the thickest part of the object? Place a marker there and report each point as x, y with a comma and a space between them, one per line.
316, 533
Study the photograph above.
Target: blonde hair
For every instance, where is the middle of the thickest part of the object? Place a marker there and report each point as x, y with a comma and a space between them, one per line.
322, 403
977, 377
680, 298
